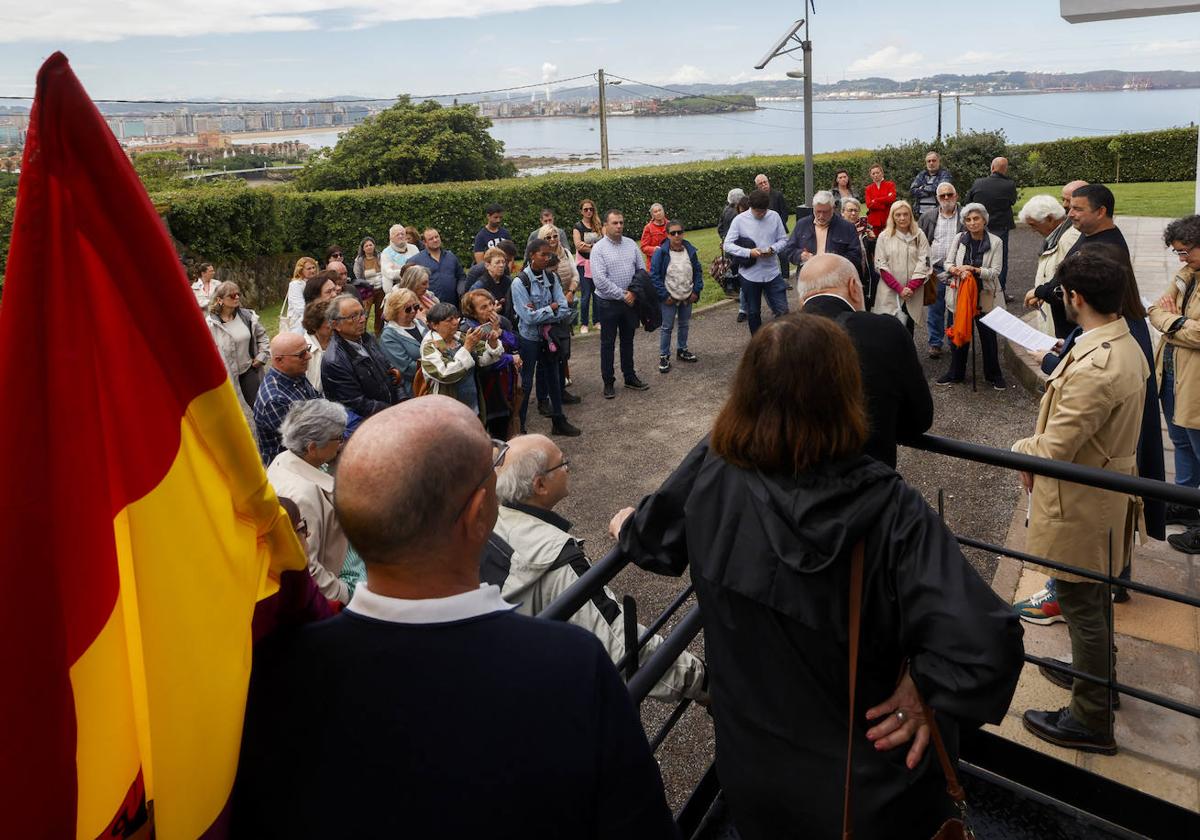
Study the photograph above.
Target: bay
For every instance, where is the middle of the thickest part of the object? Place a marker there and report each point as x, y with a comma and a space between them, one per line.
777, 127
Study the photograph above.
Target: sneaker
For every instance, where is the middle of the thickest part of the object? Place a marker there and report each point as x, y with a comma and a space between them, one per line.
686, 355
609, 392
567, 382
1066, 680
1187, 542
664, 364
741, 319
560, 426
947, 379
571, 399
1041, 608
998, 384
544, 408
935, 352
1061, 728
1182, 515
636, 384
583, 329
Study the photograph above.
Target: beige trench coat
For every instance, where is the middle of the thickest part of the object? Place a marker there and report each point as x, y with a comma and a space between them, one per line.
1186, 342
312, 491
1091, 414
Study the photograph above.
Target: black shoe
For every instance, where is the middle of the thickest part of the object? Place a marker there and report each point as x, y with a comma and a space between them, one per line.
1182, 515
947, 379
1120, 595
1061, 728
998, 384
790, 287
636, 384
741, 317
935, 352
609, 392
544, 408
1065, 680
686, 356
1187, 542
664, 364
560, 426
1008, 298
571, 399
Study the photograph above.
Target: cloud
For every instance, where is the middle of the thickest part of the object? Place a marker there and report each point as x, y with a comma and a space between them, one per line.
87, 20
687, 74
885, 61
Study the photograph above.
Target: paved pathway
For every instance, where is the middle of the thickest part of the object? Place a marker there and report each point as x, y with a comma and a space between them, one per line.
1158, 641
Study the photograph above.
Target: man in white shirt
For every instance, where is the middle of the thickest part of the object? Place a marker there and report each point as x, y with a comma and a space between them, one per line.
941, 225
762, 227
615, 259
394, 256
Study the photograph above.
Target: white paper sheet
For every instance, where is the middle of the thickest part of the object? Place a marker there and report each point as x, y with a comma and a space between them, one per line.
1017, 331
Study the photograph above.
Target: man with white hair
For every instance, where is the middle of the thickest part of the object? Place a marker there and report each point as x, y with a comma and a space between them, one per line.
1049, 218
997, 193
824, 232
924, 187
941, 226
899, 405
543, 559
395, 255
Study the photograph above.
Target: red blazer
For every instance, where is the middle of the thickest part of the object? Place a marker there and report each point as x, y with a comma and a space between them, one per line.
879, 201
654, 235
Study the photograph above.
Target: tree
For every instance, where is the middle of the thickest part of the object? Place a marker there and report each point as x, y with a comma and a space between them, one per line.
410, 144
159, 170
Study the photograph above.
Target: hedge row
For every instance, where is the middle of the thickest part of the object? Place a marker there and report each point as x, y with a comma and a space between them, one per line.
233, 223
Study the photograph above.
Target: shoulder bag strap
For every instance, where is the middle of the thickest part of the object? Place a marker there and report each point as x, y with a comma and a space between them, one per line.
953, 788
856, 590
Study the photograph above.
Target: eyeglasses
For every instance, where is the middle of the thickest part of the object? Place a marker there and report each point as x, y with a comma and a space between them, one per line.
302, 527
674, 233
1183, 252
565, 465
946, 195
302, 354
233, 295
501, 449
357, 316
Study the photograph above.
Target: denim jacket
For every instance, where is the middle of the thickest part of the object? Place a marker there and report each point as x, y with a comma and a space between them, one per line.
532, 307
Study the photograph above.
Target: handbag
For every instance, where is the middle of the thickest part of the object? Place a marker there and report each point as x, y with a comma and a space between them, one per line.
954, 828
930, 288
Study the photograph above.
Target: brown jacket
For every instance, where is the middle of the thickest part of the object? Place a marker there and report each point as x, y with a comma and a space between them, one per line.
1186, 342
1091, 414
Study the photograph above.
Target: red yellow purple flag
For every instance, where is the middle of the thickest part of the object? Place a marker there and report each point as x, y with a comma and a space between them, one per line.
137, 529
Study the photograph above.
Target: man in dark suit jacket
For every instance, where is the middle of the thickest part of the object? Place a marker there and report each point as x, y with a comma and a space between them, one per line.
354, 370
997, 193
437, 708
824, 232
899, 405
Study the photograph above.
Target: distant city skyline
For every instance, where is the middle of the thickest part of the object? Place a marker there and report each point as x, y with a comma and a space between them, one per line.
310, 49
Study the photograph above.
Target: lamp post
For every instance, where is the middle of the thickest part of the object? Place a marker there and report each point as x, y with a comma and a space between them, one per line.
805, 46
604, 118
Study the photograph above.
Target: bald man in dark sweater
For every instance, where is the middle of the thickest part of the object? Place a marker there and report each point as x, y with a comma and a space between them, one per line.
428, 708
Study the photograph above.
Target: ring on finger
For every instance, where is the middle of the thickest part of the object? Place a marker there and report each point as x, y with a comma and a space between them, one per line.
900, 716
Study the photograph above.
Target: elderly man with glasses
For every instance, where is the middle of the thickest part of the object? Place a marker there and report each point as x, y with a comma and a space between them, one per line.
941, 224
354, 370
286, 382
533, 558
824, 232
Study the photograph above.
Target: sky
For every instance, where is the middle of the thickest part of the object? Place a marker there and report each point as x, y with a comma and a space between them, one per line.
246, 49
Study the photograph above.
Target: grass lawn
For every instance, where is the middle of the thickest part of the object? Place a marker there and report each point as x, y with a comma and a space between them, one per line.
1170, 199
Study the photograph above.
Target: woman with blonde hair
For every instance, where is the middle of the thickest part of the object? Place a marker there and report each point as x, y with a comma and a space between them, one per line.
403, 333
242, 341
415, 278
293, 304
902, 260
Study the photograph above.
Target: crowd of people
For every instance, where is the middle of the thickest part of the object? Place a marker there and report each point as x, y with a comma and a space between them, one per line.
447, 584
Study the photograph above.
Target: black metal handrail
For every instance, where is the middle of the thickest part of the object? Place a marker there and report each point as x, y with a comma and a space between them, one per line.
589, 583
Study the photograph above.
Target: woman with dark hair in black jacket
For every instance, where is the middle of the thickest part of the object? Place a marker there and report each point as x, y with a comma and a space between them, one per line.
766, 513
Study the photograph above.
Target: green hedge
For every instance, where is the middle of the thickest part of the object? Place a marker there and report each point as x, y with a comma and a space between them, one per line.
233, 222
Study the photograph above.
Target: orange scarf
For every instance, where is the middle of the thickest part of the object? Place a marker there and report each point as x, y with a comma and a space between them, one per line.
966, 307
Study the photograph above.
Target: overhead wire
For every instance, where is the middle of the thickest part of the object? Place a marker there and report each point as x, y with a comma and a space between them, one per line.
1037, 121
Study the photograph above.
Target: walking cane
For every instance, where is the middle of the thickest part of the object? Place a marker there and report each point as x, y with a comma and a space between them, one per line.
974, 370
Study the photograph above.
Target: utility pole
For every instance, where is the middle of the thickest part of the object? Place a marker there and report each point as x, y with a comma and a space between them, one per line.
957, 114
603, 123
939, 128
805, 46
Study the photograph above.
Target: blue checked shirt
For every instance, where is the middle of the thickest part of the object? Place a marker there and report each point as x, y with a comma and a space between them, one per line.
275, 396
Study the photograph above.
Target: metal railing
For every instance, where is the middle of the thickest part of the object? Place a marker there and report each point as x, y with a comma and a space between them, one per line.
642, 677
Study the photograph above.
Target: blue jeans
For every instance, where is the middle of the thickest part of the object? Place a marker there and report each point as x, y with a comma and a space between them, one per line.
776, 292
616, 318
535, 359
586, 289
935, 317
1187, 441
668, 321
1003, 234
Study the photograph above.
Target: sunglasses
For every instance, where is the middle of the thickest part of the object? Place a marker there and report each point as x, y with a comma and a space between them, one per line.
589, 209
411, 309
674, 233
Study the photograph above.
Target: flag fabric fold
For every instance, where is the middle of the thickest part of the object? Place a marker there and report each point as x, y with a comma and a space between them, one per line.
138, 530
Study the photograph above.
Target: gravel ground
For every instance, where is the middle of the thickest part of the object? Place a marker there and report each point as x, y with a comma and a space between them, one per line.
630, 444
